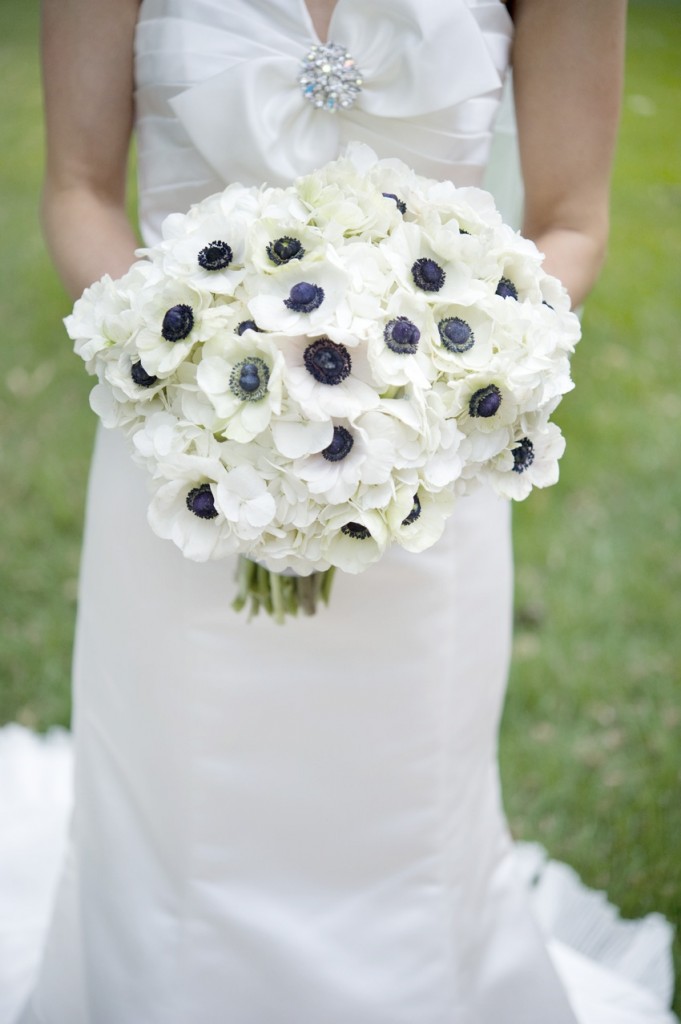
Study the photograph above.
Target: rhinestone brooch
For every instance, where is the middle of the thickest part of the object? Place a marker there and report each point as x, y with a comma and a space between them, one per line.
329, 77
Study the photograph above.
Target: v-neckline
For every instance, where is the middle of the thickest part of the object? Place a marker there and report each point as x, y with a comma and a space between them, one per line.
310, 25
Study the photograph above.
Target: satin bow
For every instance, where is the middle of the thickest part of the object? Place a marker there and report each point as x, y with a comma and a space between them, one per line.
418, 58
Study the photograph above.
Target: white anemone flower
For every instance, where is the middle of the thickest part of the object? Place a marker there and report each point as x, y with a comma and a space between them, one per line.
275, 244
300, 299
242, 378
173, 319
417, 517
129, 380
207, 254
462, 338
485, 410
353, 539
184, 509
354, 457
327, 379
399, 346
426, 273
531, 461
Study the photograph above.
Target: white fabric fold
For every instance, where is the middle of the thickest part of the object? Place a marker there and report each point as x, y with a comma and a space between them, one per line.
417, 60
615, 971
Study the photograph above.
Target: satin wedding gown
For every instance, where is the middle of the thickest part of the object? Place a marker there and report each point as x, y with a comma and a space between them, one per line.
301, 823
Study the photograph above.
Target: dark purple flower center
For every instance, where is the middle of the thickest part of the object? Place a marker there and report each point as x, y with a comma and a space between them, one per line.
428, 275
485, 402
399, 203
304, 297
328, 362
402, 336
177, 323
215, 256
200, 502
455, 334
341, 445
523, 455
247, 325
249, 379
356, 531
506, 289
285, 249
141, 377
414, 514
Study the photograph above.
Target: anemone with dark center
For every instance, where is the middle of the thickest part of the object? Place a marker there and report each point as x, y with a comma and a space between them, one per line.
215, 256
356, 531
456, 335
249, 379
327, 361
200, 501
428, 275
304, 297
401, 336
141, 377
283, 250
485, 402
506, 289
399, 203
177, 322
247, 325
414, 514
341, 445
523, 455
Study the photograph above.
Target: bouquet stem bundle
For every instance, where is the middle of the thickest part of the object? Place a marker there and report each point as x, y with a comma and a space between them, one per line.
277, 594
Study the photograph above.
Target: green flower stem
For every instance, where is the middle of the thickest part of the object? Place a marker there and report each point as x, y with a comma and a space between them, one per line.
305, 589
278, 605
327, 582
264, 590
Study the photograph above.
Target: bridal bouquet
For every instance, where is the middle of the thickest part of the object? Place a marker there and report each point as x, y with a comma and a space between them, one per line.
313, 373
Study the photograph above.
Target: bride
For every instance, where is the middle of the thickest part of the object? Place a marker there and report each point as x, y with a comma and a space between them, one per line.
304, 823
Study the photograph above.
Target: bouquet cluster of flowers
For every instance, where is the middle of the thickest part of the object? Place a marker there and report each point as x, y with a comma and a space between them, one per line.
311, 374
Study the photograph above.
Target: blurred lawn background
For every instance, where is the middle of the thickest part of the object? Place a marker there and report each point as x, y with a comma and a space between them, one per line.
592, 731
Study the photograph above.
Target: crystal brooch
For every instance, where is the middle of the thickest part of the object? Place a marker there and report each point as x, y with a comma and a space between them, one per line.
329, 77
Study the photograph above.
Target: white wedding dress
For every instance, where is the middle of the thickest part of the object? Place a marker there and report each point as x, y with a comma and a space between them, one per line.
301, 823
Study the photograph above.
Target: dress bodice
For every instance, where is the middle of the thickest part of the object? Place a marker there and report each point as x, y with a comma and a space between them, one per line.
218, 96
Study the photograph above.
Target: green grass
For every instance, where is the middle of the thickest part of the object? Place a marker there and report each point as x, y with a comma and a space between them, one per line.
593, 723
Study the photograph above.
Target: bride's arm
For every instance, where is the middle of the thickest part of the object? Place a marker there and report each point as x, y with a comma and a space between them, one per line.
567, 70
87, 48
